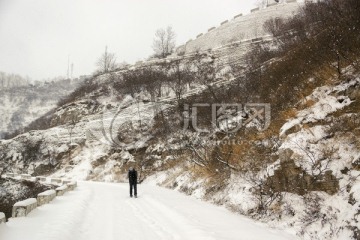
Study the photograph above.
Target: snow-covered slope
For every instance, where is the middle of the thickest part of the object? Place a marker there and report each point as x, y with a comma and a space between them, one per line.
317, 168
303, 174
20, 105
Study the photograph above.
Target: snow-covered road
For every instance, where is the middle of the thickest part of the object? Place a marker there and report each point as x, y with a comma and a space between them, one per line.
104, 211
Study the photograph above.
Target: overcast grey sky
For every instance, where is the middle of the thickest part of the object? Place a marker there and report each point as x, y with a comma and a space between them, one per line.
36, 36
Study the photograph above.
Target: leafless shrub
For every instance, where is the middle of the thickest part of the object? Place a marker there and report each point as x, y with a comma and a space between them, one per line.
179, 77
107, 62
274, 26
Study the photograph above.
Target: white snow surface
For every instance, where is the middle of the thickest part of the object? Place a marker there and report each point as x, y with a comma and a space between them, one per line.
47, 193
62, 188
105, 211
325, 103
25, 202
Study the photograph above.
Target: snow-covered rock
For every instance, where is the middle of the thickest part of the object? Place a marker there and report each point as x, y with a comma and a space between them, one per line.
61, 190
23, 208
2, 218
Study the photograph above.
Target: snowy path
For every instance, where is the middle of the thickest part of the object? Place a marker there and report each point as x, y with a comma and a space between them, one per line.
102, 211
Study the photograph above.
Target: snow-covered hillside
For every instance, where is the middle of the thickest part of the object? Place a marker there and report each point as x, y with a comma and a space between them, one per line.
317, 167
20, 105
103, 143
301, 174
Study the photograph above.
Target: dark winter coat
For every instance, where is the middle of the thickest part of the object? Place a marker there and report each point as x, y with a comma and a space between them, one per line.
132, 175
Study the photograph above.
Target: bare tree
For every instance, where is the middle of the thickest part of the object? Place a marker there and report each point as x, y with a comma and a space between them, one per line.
179, 77
73, 120
274, 26
106, 62
205, 71
152, 78
164, 42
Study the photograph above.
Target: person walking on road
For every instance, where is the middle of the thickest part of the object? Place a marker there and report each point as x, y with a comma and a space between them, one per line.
132, 175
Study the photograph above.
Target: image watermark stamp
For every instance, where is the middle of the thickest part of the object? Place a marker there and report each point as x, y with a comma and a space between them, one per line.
228, 117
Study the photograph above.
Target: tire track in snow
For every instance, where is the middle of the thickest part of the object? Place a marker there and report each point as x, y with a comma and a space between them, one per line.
181, 226
150, 221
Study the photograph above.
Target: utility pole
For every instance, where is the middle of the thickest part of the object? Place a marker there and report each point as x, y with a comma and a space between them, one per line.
106, 60
72, 71
68, 67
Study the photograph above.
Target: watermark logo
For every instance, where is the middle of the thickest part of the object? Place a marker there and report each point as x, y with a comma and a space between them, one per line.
121, 126
228, 118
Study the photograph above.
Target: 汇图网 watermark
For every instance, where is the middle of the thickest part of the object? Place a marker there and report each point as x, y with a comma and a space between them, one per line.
229, 117
221, 117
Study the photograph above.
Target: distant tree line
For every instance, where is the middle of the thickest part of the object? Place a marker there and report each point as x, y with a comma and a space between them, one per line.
12, 80
177, 75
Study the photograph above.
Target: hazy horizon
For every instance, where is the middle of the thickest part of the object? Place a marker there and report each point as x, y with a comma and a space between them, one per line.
38, 35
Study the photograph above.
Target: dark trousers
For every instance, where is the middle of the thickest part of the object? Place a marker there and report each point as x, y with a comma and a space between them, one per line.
133, 185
